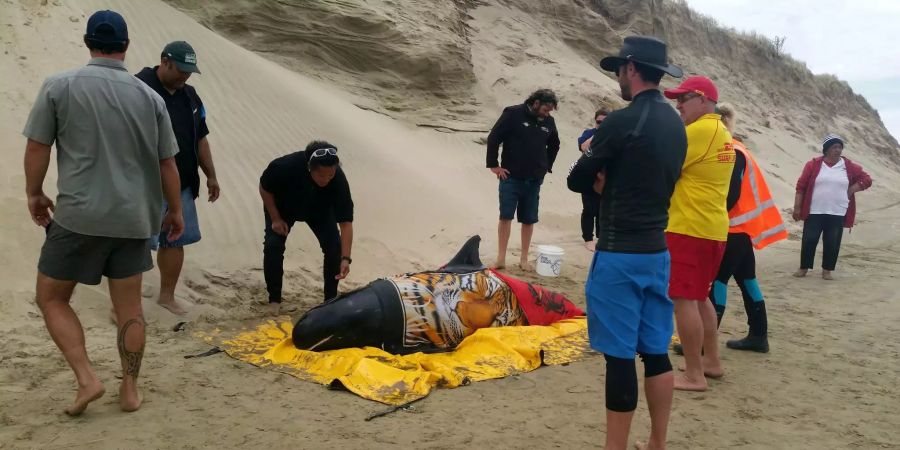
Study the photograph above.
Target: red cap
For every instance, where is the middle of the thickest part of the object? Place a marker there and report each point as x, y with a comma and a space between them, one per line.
700, 85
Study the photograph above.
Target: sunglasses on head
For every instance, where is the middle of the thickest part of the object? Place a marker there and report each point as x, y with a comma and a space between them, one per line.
323, 152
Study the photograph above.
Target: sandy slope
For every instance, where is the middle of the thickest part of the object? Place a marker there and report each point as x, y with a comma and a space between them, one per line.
829, 382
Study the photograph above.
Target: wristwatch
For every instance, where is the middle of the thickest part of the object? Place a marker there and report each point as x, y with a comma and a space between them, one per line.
348, 259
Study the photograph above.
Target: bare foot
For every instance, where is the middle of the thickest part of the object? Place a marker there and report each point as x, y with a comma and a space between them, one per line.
713, 369
526, 266
800, 273
647, 446
85, 395
129, 397
172, 306
500, 264
708, 373
684, 383
590, 246
826, 275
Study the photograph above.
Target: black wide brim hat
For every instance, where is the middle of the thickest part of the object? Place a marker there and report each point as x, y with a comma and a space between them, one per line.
644, 50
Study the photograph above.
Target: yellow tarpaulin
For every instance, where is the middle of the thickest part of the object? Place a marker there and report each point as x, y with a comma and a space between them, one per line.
393, 379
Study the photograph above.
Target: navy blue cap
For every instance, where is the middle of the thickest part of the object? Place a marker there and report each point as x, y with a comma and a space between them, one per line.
107, 27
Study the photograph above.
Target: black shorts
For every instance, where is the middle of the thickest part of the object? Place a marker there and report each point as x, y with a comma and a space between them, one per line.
69, 256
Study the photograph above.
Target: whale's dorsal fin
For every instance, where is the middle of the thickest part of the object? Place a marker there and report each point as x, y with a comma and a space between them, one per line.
466, 259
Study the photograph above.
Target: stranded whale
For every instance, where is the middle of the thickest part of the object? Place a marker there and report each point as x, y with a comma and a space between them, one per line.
429, 311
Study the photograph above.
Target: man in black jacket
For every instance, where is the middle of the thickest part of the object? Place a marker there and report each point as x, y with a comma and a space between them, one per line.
169, 79
634, 160
530, 144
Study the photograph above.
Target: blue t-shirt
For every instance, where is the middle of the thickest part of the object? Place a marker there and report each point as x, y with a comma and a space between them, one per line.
587, 134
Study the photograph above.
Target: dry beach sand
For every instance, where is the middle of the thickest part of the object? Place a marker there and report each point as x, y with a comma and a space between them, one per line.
829, 382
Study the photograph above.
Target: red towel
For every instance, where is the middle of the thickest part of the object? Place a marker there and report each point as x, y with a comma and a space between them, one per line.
541, 306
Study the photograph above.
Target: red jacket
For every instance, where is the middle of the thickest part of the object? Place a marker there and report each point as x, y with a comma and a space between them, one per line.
807, 183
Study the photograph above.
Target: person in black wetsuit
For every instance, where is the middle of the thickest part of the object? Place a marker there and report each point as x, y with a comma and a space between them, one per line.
634, 160
307, 186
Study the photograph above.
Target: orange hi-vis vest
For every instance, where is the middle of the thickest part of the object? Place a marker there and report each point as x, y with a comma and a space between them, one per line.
755, 212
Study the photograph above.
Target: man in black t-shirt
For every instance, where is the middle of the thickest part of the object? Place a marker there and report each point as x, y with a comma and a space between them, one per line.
307, 186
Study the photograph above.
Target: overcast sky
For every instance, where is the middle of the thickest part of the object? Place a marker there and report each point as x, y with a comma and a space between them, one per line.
855, 40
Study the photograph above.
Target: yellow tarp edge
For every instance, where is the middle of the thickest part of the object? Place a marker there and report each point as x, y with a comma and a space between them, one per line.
377, 375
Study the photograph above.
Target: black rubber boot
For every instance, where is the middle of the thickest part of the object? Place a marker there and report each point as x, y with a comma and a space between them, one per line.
751, 343
757, 319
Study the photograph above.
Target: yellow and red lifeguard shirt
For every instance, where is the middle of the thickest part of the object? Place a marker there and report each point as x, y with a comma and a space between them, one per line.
698, 206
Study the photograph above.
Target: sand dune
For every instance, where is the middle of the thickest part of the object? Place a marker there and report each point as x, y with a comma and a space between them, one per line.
420, 191
417, 179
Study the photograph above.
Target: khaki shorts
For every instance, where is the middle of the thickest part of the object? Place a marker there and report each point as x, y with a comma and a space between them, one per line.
69, 256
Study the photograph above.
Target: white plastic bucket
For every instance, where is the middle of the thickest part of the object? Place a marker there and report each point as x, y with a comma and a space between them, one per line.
549, 260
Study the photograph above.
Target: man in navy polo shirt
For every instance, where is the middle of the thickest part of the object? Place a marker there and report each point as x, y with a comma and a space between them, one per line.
169, 79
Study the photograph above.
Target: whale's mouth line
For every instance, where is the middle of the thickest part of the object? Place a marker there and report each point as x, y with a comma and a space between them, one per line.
313, 347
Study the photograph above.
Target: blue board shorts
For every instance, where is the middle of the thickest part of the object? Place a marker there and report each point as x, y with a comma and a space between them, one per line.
520, 197
628, 307
191, 224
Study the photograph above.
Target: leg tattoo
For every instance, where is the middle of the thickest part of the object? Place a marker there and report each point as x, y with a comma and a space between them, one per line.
130, 359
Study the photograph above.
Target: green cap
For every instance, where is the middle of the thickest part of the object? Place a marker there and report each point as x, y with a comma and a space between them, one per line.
183, 55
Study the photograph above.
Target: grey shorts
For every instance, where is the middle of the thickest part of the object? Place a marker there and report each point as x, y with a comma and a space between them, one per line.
70, 256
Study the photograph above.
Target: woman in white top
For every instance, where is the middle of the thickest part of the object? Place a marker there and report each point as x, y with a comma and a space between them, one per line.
825, 201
